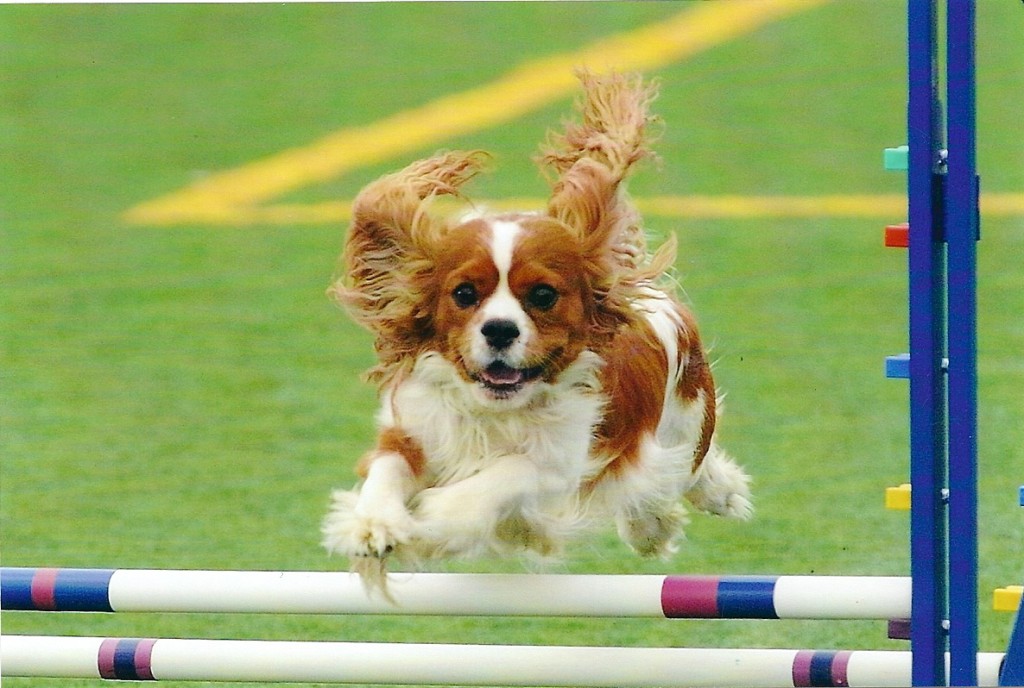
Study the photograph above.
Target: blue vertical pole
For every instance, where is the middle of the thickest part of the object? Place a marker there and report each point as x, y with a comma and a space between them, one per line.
961, 234
927, 336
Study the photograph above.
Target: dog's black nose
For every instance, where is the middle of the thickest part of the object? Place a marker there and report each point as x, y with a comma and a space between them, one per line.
500, 333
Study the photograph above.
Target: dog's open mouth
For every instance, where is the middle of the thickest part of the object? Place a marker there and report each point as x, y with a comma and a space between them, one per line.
502, 380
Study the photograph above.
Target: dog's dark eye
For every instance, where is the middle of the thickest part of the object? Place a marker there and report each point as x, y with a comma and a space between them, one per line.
542, 296
465, 295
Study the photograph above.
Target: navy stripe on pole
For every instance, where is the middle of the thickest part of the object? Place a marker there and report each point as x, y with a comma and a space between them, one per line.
16, 589
59, 590
747, 599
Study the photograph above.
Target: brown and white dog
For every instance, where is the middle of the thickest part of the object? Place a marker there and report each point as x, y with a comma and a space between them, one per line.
536, 371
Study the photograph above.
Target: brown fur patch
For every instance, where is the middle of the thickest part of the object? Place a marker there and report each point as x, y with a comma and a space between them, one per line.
633, 379
696, 378
394, 440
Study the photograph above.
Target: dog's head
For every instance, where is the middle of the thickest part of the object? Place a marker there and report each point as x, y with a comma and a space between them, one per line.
510, 300
517, 302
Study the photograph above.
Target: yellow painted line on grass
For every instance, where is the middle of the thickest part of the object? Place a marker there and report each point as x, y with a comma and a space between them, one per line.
232, 196
866, 206
845, 205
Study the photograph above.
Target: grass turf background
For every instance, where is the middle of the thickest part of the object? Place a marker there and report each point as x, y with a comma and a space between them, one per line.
185, 397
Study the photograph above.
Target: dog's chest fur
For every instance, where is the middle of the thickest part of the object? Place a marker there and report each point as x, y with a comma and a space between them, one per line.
460, 436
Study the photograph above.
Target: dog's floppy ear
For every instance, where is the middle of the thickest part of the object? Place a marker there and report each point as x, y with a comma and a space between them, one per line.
389, 257
591, 160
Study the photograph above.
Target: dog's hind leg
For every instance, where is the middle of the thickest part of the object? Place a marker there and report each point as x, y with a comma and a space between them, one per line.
722, 486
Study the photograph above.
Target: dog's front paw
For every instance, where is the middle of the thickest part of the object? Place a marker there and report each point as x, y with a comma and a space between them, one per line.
450, 520
437, 514
353, 531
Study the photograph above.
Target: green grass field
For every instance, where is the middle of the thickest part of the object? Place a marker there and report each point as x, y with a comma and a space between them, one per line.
185, 396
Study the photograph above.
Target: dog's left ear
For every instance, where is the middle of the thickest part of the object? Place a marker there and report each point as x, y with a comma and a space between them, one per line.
588, 199
591, 160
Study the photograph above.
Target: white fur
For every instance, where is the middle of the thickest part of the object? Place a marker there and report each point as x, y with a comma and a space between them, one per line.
722, 487
498, 480
489, 465
503, 242
370, 521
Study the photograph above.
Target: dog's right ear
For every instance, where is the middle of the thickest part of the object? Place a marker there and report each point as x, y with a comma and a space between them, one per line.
389, 253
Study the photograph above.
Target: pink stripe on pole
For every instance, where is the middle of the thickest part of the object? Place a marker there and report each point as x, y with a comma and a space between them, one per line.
44, 590
144, 660
839, 665
105, 658
690, 597
802, 668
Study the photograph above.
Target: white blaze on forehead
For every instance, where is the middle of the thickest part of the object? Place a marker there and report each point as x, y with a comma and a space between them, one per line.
503, 243
503, 304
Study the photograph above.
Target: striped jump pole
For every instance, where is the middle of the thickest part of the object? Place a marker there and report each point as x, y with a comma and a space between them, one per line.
295, 592
436, 664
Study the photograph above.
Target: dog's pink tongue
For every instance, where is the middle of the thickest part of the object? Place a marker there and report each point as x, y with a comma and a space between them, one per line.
501, 374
